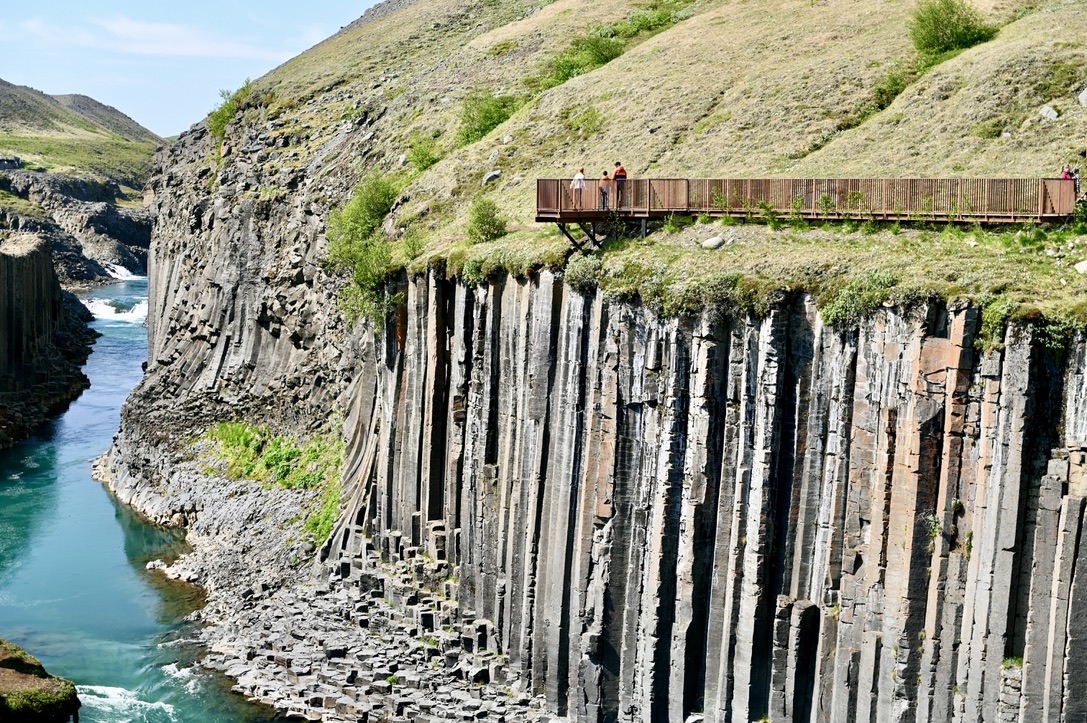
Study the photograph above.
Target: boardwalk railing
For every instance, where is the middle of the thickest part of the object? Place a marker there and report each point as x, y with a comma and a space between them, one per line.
988, 200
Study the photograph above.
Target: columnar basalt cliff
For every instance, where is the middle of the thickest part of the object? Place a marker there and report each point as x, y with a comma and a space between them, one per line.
650, 518
733, 516
43, 338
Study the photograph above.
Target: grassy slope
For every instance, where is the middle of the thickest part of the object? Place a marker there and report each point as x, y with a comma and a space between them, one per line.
74, 134
740, 88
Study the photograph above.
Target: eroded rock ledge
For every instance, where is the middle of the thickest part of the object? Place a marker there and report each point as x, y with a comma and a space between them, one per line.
91, 234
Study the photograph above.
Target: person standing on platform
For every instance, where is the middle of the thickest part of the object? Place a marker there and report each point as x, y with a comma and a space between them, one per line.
605, 190
577, 186
620, 176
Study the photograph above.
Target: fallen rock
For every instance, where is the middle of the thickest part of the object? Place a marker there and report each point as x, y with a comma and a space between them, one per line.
491, 177
1048, 112
1081, 267
713, 243
1083, 97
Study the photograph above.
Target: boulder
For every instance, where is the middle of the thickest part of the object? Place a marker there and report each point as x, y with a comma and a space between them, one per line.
491, 177
713, 243
1048, 112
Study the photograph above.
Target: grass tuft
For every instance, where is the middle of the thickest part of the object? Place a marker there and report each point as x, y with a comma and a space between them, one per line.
858, 298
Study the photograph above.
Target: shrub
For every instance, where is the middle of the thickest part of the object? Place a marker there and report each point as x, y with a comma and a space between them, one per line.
988, 129
357, 245
423, 153
583, 123
858, 298
413, 243
583, 273
484, 222
370, 203
482, 112
889, 87
585, 54
996, 310
320, 522
940, 26
220, 118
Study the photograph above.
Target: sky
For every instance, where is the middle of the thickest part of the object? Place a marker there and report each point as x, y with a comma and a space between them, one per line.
161, 63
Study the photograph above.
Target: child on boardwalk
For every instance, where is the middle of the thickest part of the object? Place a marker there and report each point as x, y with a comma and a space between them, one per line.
605, 190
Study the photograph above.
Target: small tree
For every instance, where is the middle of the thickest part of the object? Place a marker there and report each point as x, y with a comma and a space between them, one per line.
220, 118
484, 223
940, 26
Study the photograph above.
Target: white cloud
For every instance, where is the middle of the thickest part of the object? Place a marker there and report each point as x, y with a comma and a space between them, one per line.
137, 37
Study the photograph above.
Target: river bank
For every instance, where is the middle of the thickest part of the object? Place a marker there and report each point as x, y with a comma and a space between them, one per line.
291, 631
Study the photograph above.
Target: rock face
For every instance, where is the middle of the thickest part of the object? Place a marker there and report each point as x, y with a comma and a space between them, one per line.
91, 234
736, 517
630, 518
43, 338
651, 519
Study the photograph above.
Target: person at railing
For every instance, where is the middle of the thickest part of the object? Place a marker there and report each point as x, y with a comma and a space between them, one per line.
605, 190
577, 186
620, 177
1066, 173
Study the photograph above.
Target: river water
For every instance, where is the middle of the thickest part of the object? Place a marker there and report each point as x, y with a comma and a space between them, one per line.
74, 590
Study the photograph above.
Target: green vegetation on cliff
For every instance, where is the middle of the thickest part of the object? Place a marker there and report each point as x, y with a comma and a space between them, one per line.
679, 89
245, 451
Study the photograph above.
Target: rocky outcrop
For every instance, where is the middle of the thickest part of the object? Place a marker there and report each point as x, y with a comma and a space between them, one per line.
43, 338
92, 235
31, 695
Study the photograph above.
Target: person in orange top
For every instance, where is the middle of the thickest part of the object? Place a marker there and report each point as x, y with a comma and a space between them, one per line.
605, 190
620, 176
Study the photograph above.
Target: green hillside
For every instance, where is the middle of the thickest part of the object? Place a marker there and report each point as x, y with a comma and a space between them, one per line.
74, 134
434, 95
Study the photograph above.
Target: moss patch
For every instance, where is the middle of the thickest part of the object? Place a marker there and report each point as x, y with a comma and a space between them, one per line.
28, 692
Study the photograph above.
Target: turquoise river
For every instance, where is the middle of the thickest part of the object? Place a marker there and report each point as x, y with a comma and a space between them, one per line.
74, 590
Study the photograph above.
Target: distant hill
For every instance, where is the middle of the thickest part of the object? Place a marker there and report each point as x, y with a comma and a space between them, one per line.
74, 134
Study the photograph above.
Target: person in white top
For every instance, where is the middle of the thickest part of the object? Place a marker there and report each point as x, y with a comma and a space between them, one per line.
577, 185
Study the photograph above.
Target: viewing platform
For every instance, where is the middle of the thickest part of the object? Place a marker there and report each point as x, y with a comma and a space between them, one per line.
968, 200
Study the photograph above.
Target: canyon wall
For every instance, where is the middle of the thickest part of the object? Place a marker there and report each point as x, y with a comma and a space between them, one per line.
93, 235
732, 516
657, 518
43, 338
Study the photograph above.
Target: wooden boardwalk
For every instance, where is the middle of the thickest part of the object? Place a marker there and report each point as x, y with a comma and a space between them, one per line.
983, 200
